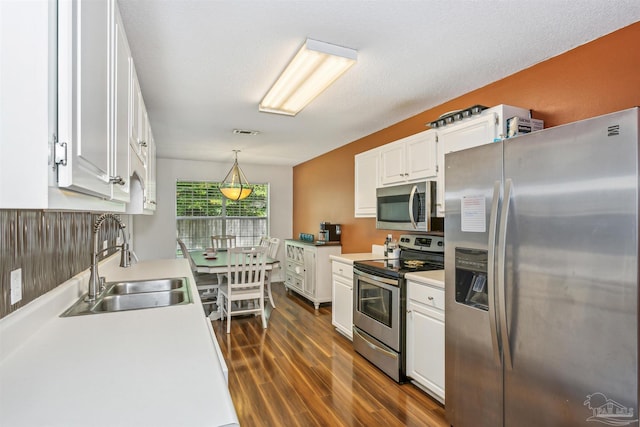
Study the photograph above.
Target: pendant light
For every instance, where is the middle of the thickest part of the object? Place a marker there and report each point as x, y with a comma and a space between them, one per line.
235, 185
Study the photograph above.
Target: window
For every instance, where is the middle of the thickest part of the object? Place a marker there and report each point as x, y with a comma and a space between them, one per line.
202, 211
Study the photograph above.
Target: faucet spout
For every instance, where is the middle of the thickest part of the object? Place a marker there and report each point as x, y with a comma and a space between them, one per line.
95, 286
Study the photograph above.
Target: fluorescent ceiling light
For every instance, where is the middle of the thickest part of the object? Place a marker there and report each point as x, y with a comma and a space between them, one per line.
316, 65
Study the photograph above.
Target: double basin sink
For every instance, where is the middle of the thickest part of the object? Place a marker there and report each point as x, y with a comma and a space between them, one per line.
134, 295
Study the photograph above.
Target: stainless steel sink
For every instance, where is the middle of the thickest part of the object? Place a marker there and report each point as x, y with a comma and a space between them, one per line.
138, 301
139, 286
134, 295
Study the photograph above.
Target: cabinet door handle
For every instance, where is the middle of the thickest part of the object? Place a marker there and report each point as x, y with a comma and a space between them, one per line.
430, 298
117, 180
142, 143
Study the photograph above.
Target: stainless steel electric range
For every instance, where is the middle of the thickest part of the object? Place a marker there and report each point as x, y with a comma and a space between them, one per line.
379, 300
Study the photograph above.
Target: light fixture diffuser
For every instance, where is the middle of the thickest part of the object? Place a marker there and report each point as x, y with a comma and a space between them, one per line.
235, 185
314, 68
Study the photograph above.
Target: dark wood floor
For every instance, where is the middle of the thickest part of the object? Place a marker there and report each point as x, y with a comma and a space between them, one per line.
301, 372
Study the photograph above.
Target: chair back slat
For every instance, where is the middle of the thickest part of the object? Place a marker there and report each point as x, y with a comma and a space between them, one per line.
226, 241
246, 267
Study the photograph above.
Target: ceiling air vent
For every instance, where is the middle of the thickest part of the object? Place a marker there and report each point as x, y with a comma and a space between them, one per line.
245, 132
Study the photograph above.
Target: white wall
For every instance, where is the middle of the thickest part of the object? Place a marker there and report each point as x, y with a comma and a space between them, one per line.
155, 235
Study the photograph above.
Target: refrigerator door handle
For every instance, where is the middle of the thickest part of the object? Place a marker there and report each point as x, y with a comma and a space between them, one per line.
491, 285
502, 306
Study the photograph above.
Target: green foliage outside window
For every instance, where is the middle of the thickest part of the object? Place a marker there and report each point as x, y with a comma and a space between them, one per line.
204, 199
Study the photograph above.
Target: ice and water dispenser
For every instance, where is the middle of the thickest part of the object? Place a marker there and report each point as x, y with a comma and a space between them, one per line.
471, 278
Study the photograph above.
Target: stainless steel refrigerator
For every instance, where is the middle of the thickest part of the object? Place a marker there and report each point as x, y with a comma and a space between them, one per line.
541, 264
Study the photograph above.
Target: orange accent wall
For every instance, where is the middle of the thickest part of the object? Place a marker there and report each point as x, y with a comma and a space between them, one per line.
599, 77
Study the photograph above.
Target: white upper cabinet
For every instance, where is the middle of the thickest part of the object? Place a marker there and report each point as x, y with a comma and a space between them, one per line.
139, 120
65, 106
410, 159
150, 185
365, 183
120, 190
25, 87
85, 30
483, 129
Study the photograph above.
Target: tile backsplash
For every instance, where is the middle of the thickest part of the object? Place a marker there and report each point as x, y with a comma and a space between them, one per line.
49, 247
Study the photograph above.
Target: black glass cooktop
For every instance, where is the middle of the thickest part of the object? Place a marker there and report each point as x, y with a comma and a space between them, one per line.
398, 267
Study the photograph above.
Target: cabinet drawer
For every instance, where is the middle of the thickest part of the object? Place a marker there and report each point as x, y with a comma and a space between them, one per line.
426, 295
293, 281
342, 269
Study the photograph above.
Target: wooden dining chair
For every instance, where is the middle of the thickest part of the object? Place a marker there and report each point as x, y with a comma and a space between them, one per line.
206, 283
272, 244
243, 290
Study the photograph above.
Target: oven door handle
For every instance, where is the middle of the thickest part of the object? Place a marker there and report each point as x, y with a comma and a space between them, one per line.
372, 346
375, 279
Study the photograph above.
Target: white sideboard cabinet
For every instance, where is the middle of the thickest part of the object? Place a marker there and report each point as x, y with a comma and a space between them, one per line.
308, 270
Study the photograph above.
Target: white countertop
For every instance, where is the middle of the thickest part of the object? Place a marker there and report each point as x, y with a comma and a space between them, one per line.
152, 367
433, 277
350, 258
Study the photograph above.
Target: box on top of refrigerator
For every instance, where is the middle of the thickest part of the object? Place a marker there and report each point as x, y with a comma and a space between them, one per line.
519, 125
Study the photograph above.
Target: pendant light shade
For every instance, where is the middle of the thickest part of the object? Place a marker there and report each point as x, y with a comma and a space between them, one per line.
235, 185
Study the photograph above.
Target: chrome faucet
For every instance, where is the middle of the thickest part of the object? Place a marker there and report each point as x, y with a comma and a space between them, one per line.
96, 285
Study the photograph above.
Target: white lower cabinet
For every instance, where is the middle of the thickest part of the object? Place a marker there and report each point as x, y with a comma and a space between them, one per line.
342, 303
308, 270
425, 337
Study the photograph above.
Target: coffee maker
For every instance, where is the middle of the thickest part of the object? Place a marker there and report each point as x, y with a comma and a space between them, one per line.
329, 232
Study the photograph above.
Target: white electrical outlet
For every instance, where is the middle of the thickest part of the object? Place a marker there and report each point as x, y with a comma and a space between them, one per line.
119, 241
16, 286
104, 244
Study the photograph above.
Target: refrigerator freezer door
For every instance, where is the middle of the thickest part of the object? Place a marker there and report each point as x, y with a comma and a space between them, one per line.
571, 270
473, 375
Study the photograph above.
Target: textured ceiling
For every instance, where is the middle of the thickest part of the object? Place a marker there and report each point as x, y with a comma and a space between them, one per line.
204, 65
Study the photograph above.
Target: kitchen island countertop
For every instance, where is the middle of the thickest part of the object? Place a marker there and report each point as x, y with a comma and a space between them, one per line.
159, 366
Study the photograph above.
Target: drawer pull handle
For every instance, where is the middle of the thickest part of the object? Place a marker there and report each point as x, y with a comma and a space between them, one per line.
430, 298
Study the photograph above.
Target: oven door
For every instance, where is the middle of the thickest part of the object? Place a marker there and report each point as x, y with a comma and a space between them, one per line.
377, 308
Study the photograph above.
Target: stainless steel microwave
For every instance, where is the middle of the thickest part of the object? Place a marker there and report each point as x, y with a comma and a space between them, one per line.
407, 207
